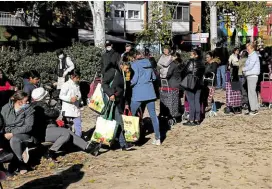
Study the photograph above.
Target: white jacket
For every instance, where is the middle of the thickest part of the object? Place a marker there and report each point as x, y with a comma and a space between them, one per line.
68, 90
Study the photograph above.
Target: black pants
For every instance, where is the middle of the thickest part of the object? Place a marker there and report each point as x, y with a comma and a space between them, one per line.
194, 104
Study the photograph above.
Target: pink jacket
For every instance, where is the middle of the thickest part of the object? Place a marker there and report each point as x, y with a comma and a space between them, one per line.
6, 87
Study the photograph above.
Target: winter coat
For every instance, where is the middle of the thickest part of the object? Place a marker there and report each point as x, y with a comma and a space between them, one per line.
43, 116
197, 68
174, 75
164, 63
142, 81
222, 54
109, 58
113, 83
233, 60
68, 90
17, 122
252, 66
211, 67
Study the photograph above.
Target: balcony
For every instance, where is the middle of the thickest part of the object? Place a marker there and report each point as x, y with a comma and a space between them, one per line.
117, 25
18, 19
180, 27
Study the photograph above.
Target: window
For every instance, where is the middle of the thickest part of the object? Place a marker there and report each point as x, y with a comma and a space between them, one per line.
180, 13
132, 14
119, 14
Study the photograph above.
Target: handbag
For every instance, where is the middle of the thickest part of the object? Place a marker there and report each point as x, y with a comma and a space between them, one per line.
106, 127
131, 126
190, 81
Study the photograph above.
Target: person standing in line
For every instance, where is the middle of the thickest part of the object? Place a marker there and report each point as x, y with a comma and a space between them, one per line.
164, 62
234, 64
222, 53
128, 49
252, 72
109, 57
242, 78
143, 91
71, 97
65, 65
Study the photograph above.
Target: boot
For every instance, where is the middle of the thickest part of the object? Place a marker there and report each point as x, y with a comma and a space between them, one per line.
93, 148
51, 155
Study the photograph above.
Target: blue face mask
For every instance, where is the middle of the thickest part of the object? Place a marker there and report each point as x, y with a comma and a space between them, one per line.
24, 106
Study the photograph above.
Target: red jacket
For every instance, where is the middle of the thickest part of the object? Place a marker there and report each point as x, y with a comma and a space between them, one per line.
6, 87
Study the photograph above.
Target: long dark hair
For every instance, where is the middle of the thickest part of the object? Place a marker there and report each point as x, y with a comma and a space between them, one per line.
4, 78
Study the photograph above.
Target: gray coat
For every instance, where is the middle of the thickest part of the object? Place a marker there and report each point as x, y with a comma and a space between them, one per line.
17, 123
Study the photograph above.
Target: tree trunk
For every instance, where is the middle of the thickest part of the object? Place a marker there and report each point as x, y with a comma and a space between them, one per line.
237, 41
98, 12
213, 23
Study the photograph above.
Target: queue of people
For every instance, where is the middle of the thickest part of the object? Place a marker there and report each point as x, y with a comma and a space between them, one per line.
129, 82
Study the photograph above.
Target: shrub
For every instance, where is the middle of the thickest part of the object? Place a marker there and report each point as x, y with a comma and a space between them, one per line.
86, 58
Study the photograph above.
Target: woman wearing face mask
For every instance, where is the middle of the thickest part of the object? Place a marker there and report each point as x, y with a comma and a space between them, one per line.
5, 88
196, 68
18, 119
65, 66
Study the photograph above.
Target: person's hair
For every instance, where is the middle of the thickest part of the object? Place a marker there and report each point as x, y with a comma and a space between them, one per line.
167, 47
244, 54
75, 73
196, 52
210, 54
122, 63
34, 74
128, 45
178, 55
18, 95
153, 62
235, 49
4, 78
252, 45
59, 52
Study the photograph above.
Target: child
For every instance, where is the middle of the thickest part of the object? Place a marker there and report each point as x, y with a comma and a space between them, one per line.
71, 96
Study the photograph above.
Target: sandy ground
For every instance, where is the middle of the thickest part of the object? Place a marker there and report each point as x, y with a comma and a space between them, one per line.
227, 151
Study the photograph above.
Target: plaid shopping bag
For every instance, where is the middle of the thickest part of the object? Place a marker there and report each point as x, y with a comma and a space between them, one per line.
233, 98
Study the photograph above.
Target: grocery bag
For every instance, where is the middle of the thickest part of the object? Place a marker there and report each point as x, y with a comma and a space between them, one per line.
131, 126
98, 100
106, 127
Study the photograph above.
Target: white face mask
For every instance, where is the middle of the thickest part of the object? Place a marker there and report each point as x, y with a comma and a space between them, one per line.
61, 56
108, 48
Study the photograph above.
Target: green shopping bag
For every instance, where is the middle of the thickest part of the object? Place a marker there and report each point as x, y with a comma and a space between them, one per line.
106, 127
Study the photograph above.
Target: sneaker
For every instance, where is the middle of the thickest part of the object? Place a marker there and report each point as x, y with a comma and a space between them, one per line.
247, 113
23, 169
189, 123
197, 123
128, 147
93, 149
51, 155
254, 113
25, 155
156, 142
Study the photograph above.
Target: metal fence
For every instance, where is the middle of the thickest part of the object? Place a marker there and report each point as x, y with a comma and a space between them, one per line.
17, 19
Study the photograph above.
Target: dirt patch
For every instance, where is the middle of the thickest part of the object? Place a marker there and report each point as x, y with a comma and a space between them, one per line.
227, 151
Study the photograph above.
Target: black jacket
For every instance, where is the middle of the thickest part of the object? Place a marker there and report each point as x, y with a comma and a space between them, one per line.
222, 54
109, 58
113, 84
210, 68
197, 68
174, 75
20, 122
44, 117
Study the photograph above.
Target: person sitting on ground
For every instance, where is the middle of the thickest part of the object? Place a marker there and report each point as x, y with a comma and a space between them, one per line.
164, 62
5, 88
71, 97
31, 83
18, 119
46, 130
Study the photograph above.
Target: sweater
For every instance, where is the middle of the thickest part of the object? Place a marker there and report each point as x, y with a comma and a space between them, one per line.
252, 66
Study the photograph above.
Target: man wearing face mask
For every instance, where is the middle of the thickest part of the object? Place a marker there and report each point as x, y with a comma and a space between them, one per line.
65, 65
109, 57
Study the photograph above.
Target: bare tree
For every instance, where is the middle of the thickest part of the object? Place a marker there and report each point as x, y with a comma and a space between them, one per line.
98, 12
213, 23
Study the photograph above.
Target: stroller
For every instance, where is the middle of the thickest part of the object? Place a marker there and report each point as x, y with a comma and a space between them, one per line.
170, 107
209, 107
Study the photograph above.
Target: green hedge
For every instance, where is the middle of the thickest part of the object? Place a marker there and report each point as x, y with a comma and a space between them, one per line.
14, 64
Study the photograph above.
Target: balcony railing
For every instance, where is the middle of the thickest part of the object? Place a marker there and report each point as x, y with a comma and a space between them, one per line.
18, 19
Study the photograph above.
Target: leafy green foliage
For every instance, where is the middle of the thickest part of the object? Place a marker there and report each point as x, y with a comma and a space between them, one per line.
159, 26
14, 64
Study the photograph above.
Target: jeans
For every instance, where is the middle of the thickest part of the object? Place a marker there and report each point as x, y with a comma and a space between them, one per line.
252, 94
77, 125
194, 105
17, 144
59, 136
152, 112
221, 73
119, 120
